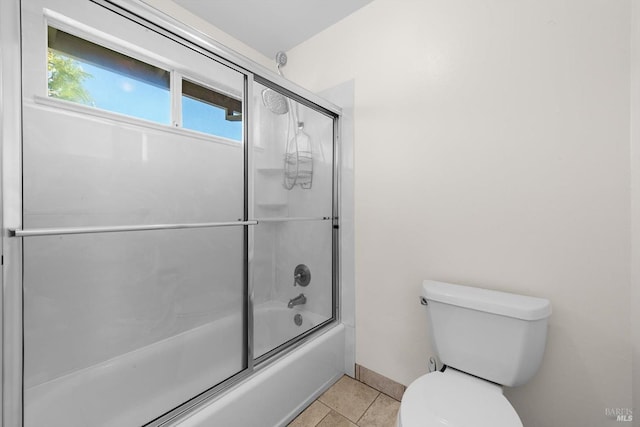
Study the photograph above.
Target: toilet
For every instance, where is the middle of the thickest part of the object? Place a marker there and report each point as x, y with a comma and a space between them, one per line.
486, 340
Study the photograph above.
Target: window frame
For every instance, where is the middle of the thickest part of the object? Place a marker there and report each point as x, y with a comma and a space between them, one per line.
176, 75
179, 78
108, 59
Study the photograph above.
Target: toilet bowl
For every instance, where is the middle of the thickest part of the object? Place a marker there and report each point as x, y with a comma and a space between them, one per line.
486, 340
455, 399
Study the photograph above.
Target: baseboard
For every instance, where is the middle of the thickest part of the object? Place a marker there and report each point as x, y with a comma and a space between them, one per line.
379, 382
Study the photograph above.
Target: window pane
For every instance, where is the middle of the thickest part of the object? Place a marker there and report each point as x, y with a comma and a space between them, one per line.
84, 72
211, 112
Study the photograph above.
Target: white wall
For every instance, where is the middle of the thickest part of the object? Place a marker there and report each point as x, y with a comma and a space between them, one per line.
492, 149
343, 95
635, 201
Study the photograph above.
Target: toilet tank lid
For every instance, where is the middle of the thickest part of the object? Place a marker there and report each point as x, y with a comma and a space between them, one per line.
496, 302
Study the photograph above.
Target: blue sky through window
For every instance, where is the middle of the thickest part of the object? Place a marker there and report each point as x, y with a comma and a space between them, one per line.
117, 92
122, 94
203, 117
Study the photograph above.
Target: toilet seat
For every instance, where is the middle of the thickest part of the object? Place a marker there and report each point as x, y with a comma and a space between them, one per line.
455, 399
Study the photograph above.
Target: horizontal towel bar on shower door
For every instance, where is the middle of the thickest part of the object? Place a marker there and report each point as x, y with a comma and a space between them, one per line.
120, 228
295, 218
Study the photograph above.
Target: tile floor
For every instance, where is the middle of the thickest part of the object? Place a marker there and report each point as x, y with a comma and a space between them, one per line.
349, 403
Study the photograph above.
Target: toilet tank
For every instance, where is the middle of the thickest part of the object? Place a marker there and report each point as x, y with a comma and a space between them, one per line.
493, 335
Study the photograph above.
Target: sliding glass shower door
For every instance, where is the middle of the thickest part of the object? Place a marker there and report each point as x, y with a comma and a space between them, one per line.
134, 220
179, 219
294, 278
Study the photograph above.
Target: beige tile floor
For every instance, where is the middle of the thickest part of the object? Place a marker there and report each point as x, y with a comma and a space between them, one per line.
349, 403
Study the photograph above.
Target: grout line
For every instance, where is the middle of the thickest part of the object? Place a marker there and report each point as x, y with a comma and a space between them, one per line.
380, 391
318, 423
370, 405
390, 397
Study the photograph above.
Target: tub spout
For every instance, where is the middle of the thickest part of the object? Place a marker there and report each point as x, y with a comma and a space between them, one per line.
300, 299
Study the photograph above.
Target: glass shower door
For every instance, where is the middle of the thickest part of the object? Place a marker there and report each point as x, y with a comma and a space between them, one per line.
293, 280
122, 326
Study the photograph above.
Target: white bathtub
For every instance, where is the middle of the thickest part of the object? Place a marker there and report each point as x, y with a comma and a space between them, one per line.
136, 387
274, 325
274, 395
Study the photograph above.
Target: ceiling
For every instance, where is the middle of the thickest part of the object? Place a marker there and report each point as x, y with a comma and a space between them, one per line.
269, 26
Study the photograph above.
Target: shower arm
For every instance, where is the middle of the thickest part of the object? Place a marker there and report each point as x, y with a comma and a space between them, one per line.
281, 61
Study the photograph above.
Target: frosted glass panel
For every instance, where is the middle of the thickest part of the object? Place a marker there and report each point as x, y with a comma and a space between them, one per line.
121, 328
91, 171
129, 324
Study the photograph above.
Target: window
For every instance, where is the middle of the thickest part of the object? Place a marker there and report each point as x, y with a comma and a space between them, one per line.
84, 72
211, 112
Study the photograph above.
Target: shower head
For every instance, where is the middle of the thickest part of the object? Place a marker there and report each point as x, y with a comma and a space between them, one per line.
275, 101
281, 61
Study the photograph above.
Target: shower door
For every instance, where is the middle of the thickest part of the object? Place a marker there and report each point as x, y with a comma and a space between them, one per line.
167, 246
134, 219
294, 268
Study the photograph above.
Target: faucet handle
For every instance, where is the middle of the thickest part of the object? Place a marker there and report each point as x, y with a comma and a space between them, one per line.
301, 275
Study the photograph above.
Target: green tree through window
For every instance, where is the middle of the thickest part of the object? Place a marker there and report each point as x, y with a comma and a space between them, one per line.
65, 77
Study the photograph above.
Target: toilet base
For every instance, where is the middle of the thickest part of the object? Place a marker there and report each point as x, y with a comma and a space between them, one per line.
452, 397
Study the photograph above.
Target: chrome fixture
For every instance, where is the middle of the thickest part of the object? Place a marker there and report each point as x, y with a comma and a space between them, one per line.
121, 228
298, 159
432, 364
301, 275
275, 101
297, 319
281, 61
299, 300
298, 155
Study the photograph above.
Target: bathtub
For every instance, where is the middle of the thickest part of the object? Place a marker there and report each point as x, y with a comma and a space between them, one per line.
274, 324
123, 391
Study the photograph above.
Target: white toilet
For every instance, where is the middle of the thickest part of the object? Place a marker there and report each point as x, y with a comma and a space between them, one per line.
486, 339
